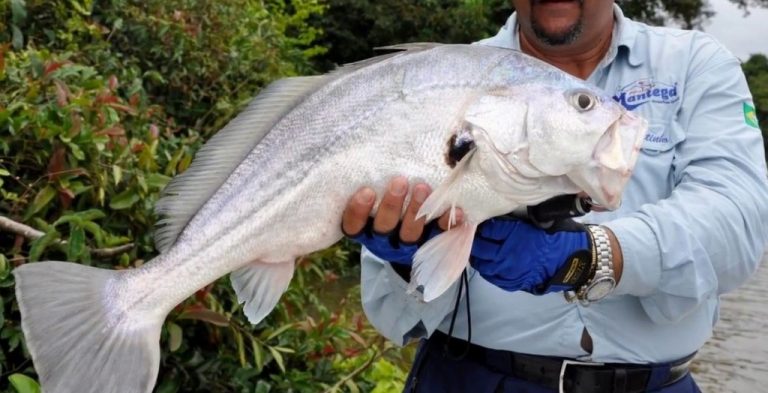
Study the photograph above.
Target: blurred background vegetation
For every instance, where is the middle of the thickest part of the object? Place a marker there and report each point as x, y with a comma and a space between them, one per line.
103, 101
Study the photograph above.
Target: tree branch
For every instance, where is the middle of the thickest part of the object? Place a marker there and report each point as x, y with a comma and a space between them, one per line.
8, 225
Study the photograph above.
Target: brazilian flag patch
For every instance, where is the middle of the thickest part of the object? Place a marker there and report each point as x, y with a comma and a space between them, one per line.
750, 115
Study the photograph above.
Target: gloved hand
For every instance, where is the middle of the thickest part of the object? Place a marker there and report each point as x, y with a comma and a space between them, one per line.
393, 234
389, 246
516, 255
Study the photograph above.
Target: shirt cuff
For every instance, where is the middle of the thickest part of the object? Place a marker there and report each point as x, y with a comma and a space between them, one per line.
641, 256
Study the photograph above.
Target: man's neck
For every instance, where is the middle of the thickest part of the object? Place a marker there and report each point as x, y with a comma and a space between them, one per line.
579, 59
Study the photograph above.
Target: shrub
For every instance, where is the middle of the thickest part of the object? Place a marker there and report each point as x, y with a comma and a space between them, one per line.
99, 108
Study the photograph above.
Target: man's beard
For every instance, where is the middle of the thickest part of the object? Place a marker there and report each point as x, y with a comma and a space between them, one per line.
561, 38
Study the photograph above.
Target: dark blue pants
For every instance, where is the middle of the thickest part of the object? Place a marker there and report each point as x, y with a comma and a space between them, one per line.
432, 372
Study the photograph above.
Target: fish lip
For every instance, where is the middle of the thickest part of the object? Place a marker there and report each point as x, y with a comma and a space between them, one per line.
610, 198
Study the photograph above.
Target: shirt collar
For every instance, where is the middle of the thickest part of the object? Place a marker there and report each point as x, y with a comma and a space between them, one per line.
624, 35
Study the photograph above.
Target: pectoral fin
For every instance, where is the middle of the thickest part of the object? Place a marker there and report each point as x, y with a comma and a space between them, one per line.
439, 262
446, 195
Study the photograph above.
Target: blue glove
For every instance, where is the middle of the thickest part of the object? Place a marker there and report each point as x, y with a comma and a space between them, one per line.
518, 256
388, 246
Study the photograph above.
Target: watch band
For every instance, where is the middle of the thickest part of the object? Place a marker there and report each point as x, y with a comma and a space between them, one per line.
602, 281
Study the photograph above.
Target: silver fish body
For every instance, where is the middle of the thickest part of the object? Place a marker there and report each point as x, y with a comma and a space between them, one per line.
273, 184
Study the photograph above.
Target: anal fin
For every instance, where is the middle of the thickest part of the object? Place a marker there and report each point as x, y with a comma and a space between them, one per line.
440, 261
260, 285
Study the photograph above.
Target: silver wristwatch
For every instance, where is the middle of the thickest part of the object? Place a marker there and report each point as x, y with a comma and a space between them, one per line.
603, 281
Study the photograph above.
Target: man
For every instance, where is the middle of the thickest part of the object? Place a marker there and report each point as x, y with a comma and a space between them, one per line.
693, 225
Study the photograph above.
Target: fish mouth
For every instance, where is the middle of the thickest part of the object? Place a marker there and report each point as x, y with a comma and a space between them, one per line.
615, 156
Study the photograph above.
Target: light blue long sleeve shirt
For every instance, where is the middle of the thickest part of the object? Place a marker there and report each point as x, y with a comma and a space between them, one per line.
693, 223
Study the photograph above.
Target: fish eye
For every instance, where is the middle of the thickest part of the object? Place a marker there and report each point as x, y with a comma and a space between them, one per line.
583, 101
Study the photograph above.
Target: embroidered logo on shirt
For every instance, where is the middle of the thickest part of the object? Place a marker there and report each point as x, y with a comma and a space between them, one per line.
646, 90
750, 116
655, 138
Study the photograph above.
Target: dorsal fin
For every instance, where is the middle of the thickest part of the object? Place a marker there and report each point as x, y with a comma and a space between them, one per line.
411, 46
215, 161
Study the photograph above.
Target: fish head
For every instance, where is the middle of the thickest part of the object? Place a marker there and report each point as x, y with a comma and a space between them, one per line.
569, 135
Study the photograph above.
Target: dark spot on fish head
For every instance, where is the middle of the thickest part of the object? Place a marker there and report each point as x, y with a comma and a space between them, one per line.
459, 145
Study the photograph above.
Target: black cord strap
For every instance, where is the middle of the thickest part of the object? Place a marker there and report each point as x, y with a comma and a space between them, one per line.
463, 283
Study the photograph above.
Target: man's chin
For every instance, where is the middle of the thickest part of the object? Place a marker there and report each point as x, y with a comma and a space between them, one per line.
561, 36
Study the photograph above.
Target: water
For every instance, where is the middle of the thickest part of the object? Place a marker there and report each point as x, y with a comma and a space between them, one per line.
735, 359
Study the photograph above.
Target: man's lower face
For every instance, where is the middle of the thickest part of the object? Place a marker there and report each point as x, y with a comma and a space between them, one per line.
556, 22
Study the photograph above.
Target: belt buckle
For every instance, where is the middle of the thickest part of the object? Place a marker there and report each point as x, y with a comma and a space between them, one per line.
569, 362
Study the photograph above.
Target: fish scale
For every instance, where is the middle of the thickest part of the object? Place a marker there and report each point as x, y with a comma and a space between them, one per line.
272, 185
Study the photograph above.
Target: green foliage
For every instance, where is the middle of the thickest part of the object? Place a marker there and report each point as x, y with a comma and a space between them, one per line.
203, 60
690, 13
354, 27
24, 384
756, 70
99, 107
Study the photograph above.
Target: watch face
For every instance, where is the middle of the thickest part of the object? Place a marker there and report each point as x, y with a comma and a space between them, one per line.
600, 288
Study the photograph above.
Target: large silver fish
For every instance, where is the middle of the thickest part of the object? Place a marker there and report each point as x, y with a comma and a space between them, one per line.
489, 128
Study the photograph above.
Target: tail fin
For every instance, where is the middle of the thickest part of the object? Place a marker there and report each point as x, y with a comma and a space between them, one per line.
78, 344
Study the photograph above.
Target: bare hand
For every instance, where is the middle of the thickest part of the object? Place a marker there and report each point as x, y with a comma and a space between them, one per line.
359, 208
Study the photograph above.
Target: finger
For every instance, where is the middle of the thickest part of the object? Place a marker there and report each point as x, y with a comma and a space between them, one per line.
443, 221
357, 211
391, 206
410, 228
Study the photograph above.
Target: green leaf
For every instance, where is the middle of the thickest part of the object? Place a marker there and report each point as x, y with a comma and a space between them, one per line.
240, 348
258, 354
95, 230
175, 333
124, 200
39, 245
18, 38
76, 151
41, 200
209, 316
263, 387
278, 358
284, 350
18, 12
76, 243
4, 269
24, 384
117, 173
68, 219
91, 214
157, 181
78, 188
42, 225
84, 8
351, 386
4, 172
280, 330
118, 24
155, 77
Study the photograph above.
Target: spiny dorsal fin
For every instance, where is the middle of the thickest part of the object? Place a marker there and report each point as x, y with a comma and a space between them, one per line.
397, 50
217, 159
410, 46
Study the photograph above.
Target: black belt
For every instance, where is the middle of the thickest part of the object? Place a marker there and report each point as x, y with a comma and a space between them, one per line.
565, 375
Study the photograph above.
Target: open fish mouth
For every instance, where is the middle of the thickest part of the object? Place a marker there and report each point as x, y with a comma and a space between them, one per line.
615, 155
